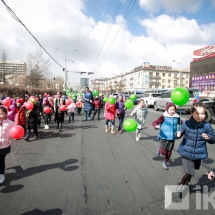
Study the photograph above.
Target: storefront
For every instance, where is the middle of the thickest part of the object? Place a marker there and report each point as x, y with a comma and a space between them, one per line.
202, 70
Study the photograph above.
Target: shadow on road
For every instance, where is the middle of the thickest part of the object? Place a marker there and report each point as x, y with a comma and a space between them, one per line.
22, 173
56, 211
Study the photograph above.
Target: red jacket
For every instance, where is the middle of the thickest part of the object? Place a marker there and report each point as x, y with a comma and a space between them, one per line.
96, 103
110, 111
20, 118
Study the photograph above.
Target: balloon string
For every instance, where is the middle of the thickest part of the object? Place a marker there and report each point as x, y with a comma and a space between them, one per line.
180, 118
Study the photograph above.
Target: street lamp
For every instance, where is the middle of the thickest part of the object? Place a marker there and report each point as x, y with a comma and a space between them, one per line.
64, 69
179, 63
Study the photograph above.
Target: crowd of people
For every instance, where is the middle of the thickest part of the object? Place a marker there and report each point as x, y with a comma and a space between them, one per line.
196, 132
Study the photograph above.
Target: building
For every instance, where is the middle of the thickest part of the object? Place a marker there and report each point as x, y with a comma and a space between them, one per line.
11, 70
202, 70
98, 84
84, 82
148, 76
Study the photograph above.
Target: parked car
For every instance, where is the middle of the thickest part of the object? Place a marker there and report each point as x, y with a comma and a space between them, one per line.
210, 110
165, 98
139, 96
206, 100
149, 98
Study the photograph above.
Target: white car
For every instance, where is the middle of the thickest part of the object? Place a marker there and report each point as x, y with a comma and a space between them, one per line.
149, 98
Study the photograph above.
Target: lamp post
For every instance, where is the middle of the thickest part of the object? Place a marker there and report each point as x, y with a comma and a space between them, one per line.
65, 69
179, 63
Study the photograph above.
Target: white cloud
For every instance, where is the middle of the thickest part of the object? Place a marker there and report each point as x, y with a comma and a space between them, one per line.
154, 6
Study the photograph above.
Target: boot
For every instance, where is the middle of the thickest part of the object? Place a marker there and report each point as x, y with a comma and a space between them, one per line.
57, 126
60, 127
112, 131
47, 127
26, 139
106, 129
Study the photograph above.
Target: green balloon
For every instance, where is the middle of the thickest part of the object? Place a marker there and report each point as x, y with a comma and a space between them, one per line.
180, 96
105, 99
130, 125
96, 93
133, 97
128, 103
112, 100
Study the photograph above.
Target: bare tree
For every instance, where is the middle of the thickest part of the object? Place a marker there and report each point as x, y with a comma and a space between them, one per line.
3, 66
38, 67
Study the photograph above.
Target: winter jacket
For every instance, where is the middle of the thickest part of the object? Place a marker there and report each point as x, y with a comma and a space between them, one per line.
110, 111
5, 138
97, 104
71, 108
32, 117
46, 115
87, 97
168, 126
193, 145
11, 111
120, 108
140, 114
57, 105
20, 118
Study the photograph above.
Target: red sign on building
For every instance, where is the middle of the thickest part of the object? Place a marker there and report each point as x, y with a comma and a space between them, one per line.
203, 53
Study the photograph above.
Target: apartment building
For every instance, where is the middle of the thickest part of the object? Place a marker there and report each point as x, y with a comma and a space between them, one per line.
11, 69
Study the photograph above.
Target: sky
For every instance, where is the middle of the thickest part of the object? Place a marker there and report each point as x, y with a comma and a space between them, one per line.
111, 36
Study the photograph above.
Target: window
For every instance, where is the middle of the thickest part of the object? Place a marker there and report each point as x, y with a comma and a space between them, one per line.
157, 74
169, 81
163, 86
164, 74
169, 75
175, 81
163, 80
175, 75
165, 95
186, 82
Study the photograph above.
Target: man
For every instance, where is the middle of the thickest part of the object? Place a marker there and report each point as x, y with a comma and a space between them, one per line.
59, 115
88, 103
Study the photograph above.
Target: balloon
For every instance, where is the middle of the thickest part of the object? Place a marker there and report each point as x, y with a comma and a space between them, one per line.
21, 100
111, 100
62, 107
128, 103
32, 97
29, 105
96, 93
130, 125
17, 132
133, 97
47, 109
105, 99
77, 103
45, 94
6, 102
68, 102
33, 100
180, 96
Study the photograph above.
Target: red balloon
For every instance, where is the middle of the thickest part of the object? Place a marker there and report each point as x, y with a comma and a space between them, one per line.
32, 97
45, 94
47, 110
21, 100
62, 107
6, 102
17, 132
68, 102
29, 105
77, 103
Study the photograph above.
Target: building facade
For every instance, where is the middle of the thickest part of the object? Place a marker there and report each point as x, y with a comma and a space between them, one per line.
148, 76
10, 70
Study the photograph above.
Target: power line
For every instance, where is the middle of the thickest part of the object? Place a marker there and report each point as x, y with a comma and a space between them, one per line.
126, 15
108, 31
17, 19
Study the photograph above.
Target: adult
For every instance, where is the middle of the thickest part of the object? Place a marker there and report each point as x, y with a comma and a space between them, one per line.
88, 103
59, 115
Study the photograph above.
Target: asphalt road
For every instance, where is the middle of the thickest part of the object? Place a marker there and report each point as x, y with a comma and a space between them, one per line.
84, 171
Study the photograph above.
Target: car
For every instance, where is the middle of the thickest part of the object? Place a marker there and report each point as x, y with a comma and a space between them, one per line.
206, 100
149, 98
165, 98
210, 110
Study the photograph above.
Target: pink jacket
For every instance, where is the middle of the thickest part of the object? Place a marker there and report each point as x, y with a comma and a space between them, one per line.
71, 108
5, 138
110, 111
11, 111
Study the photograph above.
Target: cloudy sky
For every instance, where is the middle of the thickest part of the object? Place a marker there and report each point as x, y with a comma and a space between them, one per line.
154, 31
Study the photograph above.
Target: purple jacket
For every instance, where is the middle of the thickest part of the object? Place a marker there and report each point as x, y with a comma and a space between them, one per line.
11, 111
120, 108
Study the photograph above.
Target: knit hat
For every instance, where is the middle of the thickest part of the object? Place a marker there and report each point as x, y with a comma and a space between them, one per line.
45, 100
170, 104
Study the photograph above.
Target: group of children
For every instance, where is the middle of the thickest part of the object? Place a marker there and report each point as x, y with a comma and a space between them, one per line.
196, 132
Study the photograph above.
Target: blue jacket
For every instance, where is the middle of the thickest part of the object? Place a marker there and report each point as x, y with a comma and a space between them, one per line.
87, 97
193, 145
120, 107
169, 126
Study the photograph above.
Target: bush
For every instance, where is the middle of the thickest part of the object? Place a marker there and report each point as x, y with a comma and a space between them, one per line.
15, 91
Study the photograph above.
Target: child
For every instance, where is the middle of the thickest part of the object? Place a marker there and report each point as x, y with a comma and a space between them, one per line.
96, 103
71, 111
5, 144
140, 112
193, 149
110, 111
120, 110
168, 121
46, 116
